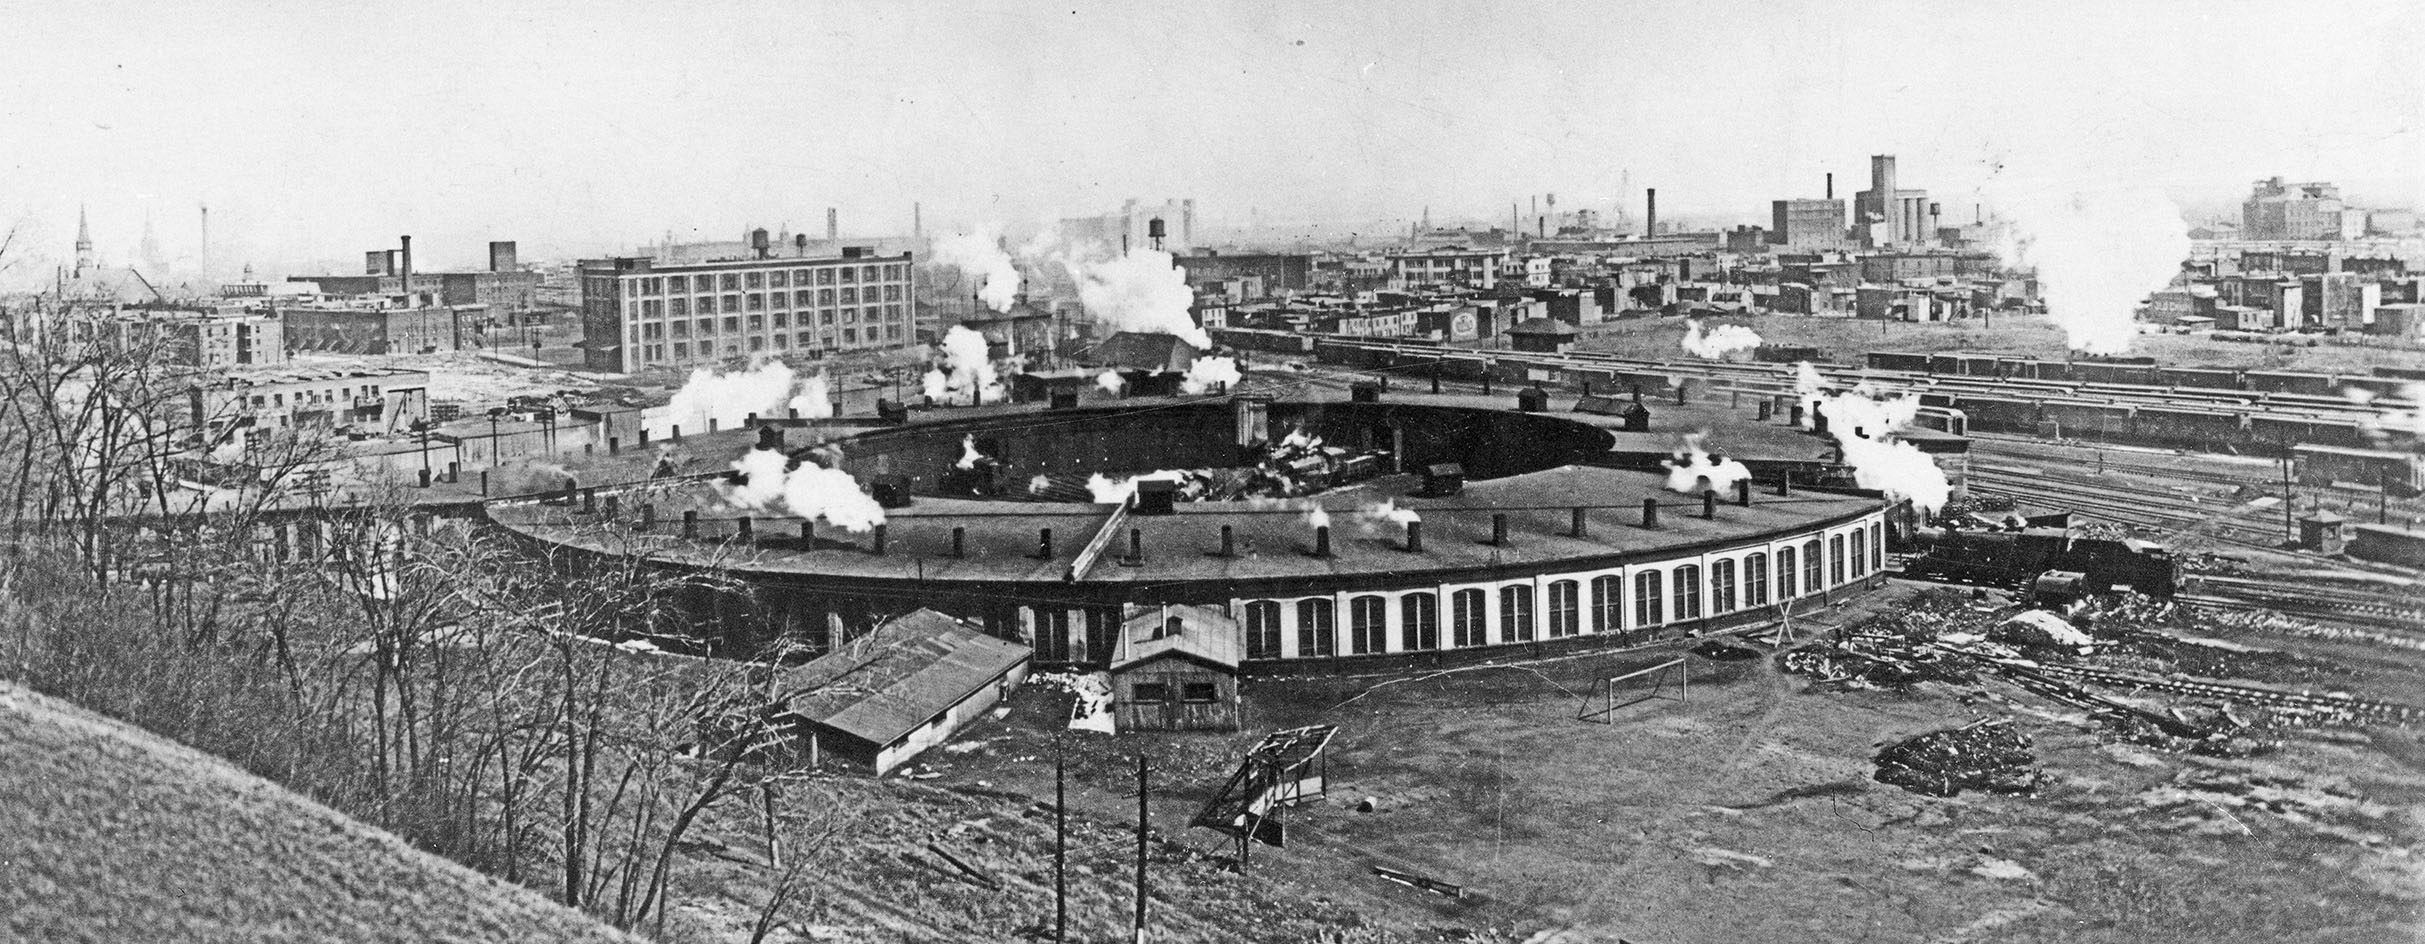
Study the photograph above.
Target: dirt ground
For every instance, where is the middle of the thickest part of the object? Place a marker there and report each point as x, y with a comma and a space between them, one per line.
1746, 812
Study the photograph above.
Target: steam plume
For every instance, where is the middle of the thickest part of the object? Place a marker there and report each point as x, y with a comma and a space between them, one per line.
1207, 371
980, 254
969, 456
2099, 247
806, 491
1112, 492
1718, 343
964, 369
815, 400
1142, 291
1862, 421
1111, 382
1694, 470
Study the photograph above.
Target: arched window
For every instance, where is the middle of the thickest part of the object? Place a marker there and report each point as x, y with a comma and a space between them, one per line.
1419, 621
1647, 597
1317, 628
1607, 604
1467, 618
1052, 633
1367, 625
1860, 552
1722, 587
1262, 630
1835, 559
1814, 564
1515, 613
1877, 546
1755, 579
1786, 573
1688, 592
1565, 608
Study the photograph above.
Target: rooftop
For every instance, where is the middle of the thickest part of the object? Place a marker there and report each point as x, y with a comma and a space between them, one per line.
885, 684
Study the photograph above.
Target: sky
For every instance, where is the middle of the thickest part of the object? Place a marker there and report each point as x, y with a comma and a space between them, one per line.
315, 131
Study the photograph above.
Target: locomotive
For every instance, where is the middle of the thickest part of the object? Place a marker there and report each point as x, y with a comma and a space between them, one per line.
2016, 558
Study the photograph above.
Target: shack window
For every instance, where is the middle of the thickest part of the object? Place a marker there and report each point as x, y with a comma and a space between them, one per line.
1785, 573
1149, 693
1647, 604
1565, 611
1200, 692
1688, 592
1365, 627
1755, 580
1515, 613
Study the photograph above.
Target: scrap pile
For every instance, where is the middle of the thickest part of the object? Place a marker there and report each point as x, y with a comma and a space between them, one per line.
1989, 754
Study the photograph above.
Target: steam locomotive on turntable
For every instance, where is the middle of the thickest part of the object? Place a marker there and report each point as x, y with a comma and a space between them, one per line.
2041, 558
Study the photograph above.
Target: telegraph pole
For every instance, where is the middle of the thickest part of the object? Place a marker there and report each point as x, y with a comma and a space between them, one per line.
1141, 810
1060, 843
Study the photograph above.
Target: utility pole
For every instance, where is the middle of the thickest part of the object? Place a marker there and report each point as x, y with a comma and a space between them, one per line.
1060, 842
1141, 811
2290, 526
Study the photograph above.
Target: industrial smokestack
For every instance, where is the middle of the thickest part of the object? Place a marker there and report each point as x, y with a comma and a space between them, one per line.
833, 225
917, 221
1743, 492
1650, 225
1831, 185
407, 264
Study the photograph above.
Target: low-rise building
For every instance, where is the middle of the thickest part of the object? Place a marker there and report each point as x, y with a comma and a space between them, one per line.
876, 702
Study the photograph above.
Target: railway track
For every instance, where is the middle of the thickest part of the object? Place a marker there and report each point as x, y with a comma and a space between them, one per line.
2326, 706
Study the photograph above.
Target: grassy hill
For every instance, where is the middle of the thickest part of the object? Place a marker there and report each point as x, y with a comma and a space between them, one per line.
108, 833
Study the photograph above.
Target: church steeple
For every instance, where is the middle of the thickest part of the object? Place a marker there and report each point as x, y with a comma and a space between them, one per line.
84, 242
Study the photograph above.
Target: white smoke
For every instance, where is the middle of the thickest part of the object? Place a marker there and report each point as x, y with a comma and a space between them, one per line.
969, 456
1387, 512
1862, 422
1718, 343
808, 491
1037, 485
1143, 291
1694, 470
1111, 382
1315, 516
1108, 491
727, 398
980, 254
815, 400
2099, 246
965, 368
1208, 371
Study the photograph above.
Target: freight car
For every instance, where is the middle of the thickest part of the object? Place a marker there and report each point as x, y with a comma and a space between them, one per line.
2015, 559
2400, 473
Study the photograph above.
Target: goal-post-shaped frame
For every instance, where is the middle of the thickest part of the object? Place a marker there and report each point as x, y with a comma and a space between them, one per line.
1604, 690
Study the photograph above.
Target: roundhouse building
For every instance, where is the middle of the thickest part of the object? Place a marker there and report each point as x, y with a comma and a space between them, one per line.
1540, 551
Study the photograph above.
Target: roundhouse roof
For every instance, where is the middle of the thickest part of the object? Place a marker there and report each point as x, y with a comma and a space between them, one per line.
1274, 541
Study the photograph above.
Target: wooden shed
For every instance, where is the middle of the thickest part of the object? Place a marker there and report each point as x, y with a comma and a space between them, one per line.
1176, 669
884, 697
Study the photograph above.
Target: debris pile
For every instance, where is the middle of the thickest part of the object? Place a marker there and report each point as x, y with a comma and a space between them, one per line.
1990, 754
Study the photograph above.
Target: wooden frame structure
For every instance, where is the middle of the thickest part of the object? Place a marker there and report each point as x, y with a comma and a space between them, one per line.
1604, 690
1289, 767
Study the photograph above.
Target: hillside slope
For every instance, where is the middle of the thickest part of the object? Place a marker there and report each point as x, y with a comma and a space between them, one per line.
108, 833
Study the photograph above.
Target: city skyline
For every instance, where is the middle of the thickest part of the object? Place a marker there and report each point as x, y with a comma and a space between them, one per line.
581, 134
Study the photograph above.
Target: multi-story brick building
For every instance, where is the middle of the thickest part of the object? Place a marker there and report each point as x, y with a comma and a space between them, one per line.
1807, 224
2275, 210
638, 313
1449, 265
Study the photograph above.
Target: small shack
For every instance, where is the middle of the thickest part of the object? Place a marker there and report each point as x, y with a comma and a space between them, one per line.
879, 700
1176, 669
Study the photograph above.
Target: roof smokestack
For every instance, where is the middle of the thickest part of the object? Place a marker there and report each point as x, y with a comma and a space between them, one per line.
833, 225
1831, 185
1650, 224
1414, 536
406, 266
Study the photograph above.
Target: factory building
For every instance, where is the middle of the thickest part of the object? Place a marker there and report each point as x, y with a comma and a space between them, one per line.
2276, 210
1801, 225
1889, 216
638, 313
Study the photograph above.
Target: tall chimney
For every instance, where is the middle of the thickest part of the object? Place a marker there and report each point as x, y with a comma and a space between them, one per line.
917, 221
1743, 492
959, 541
407, 265
833, 225
1229, 541
1650, 225
1831, 185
